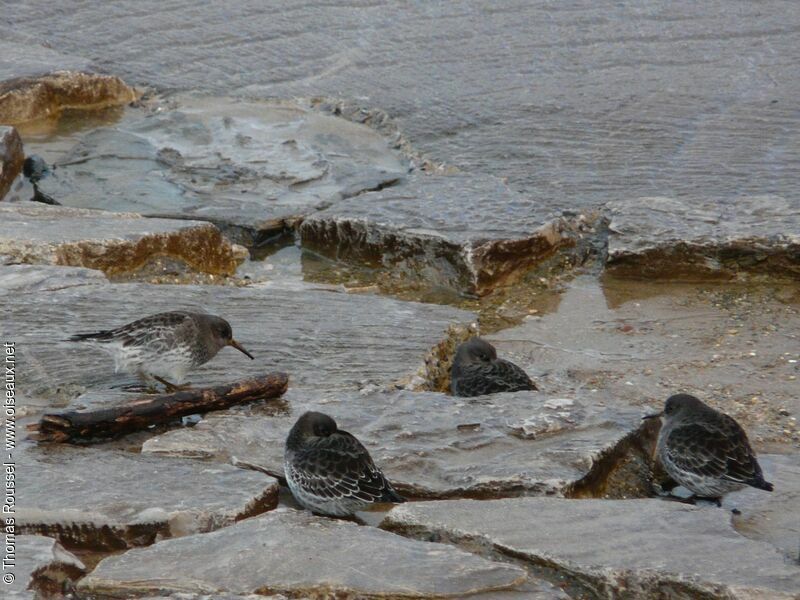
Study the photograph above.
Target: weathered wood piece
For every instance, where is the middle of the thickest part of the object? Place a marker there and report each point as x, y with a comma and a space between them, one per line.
152, 410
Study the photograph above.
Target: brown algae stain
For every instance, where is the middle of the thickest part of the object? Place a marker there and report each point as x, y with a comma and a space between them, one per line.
202, 248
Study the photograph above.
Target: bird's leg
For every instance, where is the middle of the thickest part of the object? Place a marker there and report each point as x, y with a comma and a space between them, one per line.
171, 387
148, 383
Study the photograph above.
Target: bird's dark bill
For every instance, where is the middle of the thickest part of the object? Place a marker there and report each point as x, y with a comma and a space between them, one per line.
653, 416
240, 348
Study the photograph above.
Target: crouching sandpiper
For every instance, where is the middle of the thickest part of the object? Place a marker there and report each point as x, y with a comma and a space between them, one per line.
328, 470
706, 451
476, 371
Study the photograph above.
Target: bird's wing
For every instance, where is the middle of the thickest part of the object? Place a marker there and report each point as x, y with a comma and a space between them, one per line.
162, 328
718, 450
514, 377
338, 466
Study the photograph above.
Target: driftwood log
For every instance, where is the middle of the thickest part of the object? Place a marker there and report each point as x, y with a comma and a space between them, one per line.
151, 410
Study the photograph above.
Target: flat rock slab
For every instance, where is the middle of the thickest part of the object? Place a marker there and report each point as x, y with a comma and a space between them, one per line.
668, 238
300, 555
641, 548
22, 278
466, 232
11, 157
323, 339
41, 563
430, 444
250, 167
117, 244
772, 517
110, 499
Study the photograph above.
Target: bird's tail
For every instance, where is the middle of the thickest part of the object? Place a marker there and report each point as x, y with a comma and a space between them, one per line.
761, 484
98, 336
392, 496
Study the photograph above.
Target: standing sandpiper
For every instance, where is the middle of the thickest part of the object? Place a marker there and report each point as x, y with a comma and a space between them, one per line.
166, 346
706, 451
328, 470
476, 371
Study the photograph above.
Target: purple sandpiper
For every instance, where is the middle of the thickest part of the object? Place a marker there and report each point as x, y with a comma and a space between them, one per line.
328, 470
476, 371
166, 346
704, 450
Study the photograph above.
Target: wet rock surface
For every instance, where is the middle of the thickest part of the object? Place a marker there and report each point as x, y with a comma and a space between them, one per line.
585, 103
44, 97
323, 339
253, 168
111, 500
648, 548
772, 517
117, 244
430, 444
732, 346
671, 238
460, 231
21, 278
42, 566
11, 158
329, 557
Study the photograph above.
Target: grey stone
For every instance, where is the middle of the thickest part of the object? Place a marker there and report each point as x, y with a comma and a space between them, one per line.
636, 548
111, 499
11, 158
40, 564
771, 517
671, 238
460, 231
300, 555
323, 339
250, 167
430, 444
22, 278
115, 243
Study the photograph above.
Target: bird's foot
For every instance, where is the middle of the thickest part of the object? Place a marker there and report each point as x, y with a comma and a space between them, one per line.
171, 387
139, 388
672, 498
717, 501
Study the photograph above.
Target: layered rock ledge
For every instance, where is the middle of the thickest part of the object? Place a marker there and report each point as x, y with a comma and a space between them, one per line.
252, 168
296, 554
667, 238
25, 99
111, 500
42, 565
118, 244
636, 548
465, 232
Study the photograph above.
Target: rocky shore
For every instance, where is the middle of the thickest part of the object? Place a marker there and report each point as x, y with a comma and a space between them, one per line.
355, 209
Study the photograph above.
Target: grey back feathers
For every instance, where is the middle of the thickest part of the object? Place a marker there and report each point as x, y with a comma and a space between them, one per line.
706, 451
329, 471
476, 371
